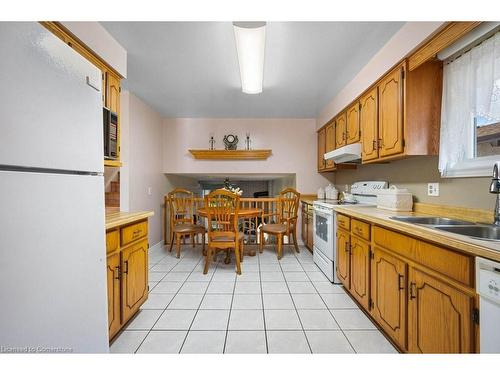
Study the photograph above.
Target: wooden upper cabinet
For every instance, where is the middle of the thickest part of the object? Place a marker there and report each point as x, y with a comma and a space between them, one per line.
343, 257
353, 130
388, 293
360, 270
391, 110
321, 149
330, 142
340, 130
368, 119
112, 92
439, 316
113, 281
134, 266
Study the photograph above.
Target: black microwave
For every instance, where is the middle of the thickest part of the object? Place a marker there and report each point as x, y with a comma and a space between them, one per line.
110, 134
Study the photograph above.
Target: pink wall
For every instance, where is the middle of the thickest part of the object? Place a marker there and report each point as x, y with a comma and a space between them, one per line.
400, 45
293, 142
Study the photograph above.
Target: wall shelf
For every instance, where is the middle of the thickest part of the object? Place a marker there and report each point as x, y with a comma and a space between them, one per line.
112, 163
231, 154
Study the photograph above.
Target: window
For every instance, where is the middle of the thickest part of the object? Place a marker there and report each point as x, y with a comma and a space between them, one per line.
470, 115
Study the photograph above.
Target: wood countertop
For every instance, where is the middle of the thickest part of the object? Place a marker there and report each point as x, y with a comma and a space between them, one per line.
116, 219
486, 249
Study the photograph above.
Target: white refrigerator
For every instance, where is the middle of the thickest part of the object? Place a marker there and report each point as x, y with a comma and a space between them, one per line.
52, 238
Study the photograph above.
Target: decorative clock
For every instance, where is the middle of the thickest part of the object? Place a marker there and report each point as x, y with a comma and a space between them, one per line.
231, 141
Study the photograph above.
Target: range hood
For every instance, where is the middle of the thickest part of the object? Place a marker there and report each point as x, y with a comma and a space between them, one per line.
346, 154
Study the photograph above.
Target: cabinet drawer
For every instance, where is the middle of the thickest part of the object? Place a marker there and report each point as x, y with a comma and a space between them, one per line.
361, 229
344, 221
453, 264
133, 232
111, 241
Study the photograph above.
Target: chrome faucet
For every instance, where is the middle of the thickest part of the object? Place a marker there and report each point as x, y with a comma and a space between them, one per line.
495, 189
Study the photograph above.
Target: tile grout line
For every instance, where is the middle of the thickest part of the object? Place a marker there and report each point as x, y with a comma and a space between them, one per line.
295, 306
262, 298
166, 307
329, 311
201, 301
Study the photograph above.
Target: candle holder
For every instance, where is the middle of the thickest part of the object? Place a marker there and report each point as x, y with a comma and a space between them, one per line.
211, 142
248, 142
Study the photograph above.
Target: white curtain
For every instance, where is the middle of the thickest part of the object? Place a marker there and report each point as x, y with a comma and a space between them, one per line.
471, 88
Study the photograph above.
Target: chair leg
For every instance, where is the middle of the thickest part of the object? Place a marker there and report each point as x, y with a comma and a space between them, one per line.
261, 245
192, 238
207, 260
237, 255
280, 246
171, 241
178, 243
241, 250
295, 240
203, 243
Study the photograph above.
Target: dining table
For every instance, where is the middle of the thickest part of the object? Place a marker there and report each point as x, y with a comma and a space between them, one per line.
243, 213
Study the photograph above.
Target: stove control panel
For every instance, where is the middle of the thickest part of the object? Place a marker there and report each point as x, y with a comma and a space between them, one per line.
368, 187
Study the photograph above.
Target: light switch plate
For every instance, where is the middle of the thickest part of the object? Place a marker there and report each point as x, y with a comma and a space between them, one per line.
150, 191
433, 189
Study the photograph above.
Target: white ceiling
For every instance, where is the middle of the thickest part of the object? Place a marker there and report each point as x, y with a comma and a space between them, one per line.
190, 69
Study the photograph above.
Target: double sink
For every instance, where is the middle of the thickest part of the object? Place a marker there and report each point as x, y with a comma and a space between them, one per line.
466, 228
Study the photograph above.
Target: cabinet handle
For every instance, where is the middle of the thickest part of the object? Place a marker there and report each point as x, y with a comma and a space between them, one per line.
413, 288
347, 247
117, 273
380, 143
374, 145
126, 267
401, 281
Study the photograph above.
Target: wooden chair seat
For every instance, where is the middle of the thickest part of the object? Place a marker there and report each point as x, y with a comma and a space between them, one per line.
188, 228
274, 228
241, 235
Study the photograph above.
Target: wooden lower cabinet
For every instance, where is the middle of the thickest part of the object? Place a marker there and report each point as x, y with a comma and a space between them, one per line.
412, 289
307, 225
127, 274
360, 270
388, 294
113, 279
343, 257
439, 316
134, 278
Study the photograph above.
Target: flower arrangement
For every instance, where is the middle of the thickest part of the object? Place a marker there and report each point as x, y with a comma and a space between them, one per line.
233, 189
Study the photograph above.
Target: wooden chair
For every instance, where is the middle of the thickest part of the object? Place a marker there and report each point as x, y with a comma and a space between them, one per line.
222, 208
182, 219
286, 223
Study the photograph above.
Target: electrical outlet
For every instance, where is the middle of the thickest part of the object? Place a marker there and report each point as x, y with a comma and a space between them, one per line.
433, 189
150, 191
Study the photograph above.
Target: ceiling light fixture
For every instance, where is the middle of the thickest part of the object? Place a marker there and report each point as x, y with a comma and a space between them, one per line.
250, 45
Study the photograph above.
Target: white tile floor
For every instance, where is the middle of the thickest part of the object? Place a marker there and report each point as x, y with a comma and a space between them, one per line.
285, 306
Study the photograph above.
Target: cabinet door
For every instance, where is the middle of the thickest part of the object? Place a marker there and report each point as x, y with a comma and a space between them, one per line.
321, 149
112, 92
330, 142
304, 223
343, 257
310, 232
340, 131
390, 91
113, 276
360, 270
388, 293
368, 122
352, 132
134, 278
439, 316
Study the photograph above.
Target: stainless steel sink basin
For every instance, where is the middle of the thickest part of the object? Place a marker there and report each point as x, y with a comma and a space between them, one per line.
428, 220
482, 232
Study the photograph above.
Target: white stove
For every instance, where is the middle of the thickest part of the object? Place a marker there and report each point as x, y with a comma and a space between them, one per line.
363, 193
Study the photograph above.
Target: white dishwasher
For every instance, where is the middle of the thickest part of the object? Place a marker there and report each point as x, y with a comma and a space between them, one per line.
488, 288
